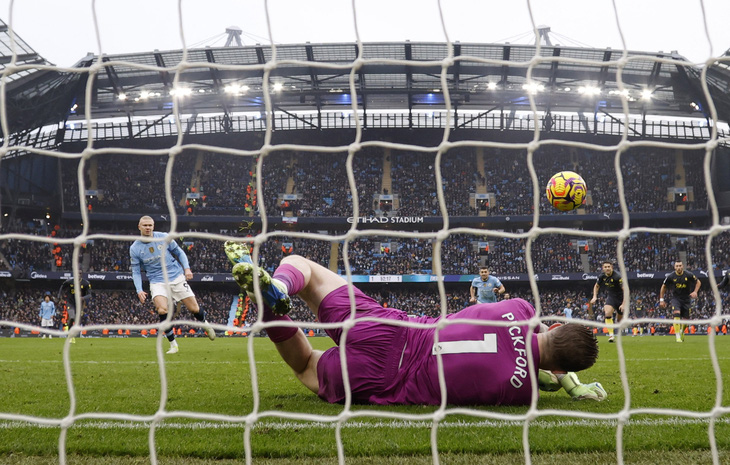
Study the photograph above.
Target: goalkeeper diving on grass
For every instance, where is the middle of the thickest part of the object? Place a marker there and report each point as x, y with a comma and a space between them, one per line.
392, 364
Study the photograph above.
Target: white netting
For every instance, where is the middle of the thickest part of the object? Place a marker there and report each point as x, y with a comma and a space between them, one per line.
267, 148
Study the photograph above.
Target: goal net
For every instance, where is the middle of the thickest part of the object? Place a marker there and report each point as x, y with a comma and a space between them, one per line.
634, 165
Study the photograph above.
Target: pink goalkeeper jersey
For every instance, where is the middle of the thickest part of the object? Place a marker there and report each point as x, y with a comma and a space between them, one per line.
483, 365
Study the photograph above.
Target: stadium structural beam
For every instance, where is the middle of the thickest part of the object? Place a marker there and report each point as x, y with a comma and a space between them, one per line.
164, 75
506, 50
218, 86
234, 35
553, 79
298, 118
409, 82
23, 57
314, 81
613, 118
480, 115
603, 72
153, 123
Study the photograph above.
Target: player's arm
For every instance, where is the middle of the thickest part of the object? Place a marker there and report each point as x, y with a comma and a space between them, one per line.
137, 275
179, 254
596, 287
625, 304
501, 289
63, 286
663, 289
472, 296
698, 284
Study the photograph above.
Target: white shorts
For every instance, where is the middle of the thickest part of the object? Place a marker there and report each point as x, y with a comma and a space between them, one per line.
46, 323
179, 289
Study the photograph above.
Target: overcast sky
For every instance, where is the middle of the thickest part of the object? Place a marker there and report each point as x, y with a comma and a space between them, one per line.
63, 31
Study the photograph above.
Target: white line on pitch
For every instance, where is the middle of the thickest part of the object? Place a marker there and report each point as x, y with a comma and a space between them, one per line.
396, 424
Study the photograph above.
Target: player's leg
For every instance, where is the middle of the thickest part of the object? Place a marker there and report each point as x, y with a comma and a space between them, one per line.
677, 315
295, 275
684, 314
70, 319
181, 292
608, 311
160, 301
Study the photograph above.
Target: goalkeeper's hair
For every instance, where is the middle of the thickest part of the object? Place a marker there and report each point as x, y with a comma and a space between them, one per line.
573, 347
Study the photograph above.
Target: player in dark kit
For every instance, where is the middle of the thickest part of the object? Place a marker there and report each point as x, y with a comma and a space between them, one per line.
725, 279
684, 287
640, 312
67, 292
613, 283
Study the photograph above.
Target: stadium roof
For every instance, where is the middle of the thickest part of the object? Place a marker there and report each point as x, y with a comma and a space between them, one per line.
404, 76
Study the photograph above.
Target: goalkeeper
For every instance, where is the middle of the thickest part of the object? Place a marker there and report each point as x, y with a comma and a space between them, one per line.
392, 364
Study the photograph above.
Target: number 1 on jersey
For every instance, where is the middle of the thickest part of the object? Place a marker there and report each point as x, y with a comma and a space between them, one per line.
487, 346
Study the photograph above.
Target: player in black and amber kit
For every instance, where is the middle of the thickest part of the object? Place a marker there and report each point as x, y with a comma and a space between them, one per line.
684, 287
67, 292
613, 283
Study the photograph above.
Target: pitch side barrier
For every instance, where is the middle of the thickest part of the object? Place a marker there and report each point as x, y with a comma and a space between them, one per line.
407, 278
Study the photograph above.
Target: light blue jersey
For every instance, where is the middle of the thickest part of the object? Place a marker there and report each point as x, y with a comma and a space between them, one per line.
485, 289
48, 309
147, 257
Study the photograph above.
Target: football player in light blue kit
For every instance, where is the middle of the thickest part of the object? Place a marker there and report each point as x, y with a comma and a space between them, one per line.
148, 255
484, 289
48, 311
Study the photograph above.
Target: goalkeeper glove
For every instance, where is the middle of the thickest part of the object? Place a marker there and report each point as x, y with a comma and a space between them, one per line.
547, 381
579, 391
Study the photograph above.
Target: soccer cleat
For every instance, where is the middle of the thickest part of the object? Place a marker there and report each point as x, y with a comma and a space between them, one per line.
73, 340
173, 348
209, 331
273, 291
611, 339
593, 391
237, 252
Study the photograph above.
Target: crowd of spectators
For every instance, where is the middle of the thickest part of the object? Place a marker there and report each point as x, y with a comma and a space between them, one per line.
129, 182
320, 181
460, 253
116, 307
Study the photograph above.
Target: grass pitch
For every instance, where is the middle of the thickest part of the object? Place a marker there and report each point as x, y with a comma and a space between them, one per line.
211, 394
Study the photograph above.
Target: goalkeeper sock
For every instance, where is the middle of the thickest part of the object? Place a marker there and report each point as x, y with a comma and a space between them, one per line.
292, 278
609, 321
278, 333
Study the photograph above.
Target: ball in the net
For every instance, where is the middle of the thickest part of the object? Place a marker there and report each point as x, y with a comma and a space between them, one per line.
566, 191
